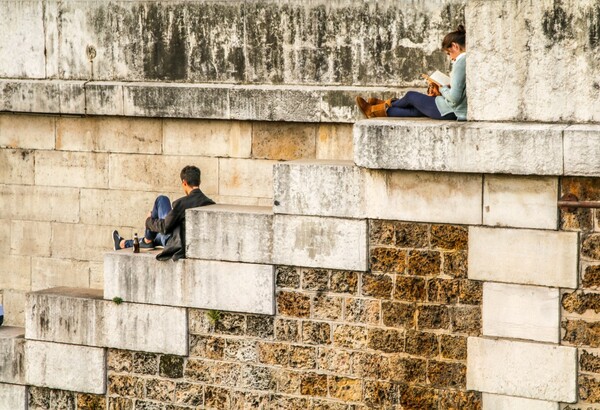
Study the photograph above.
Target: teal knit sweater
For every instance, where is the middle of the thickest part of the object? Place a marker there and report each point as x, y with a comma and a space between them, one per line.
454, 98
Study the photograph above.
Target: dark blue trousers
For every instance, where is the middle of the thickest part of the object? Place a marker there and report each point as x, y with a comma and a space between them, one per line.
162, 206
415, 104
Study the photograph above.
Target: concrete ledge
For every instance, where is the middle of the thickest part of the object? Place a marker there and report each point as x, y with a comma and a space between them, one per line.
497, 402
230, 233
66, 367
12, 362
227, 286
13, 397
450, 146
531, 370
177, 100
82, 317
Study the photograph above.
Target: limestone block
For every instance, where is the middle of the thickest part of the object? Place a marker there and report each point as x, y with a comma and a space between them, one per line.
27, 131
74, 169
176, 100
334, 142
321, 188
152, 172
96, 275
82, 317
50, 272
104, 98
12, 355
246, 177
5, 236
529, 257
522, 312
208, 138
30, 238
30, 96
531, 370
524, 202
423, 196
13, 397
16, 166
230, 233
81, 242
497, 402
14, 307
283, 141
98, 134
72, 97
25, 202
116, 207
555, 55
66, 367
582, 150
430, 145
23, 24
227, 286
328, 243
274, 103
16, 272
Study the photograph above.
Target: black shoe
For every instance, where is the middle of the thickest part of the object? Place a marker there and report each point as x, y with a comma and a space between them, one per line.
117, 238
145, 245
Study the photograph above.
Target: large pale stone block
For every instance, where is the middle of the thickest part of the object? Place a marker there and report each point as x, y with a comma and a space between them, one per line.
246, 177
524, 202
104, 98
74, 169
511, 77
522, 312
283, 141
38, 203
275, 103
13, 397
152, 172
66, 367
82, 317
5, 236
334, 142
72, 97
230, 233
531, 370
322, 188
14, 307
320, 242
16, 166
430, 145
529, 257
30, 238
31, 96
97, 134
497, 402
423, 196
12, 355
90, 241
15, 272
582, 150
27, 131
208, 138
237, 287
51, 272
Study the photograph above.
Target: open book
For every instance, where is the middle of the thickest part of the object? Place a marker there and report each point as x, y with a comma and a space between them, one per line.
438, 78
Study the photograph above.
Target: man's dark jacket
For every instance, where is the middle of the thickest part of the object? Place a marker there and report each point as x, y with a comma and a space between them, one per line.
174, 224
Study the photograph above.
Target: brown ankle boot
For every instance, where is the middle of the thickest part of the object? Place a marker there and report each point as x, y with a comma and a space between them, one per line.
364, 106
379, 110
374, 101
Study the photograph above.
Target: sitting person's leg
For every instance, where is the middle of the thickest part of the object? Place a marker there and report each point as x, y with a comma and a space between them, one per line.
162, 206
415, 104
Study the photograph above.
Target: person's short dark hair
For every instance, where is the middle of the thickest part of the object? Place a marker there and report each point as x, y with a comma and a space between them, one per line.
191, 175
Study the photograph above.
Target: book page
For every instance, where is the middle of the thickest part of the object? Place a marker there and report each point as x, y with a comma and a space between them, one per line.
440, 78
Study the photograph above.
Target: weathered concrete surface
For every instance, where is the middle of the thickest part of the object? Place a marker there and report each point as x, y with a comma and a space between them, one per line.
498, 402
531, 370
13, 397
523, 256
237, 287
319, 188
67, 367
450, 146
548, 72
12, 355
582, 150
320, 242
230, 233
521, 312
82, 317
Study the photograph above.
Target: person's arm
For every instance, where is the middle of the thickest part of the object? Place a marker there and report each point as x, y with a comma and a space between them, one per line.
458, 81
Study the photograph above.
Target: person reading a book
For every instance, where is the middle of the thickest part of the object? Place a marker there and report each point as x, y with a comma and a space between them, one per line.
446, 97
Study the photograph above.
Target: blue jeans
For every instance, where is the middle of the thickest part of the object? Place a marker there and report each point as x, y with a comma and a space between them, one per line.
162, 206
415, 104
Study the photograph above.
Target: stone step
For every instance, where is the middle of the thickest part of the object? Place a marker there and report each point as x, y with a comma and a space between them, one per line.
82, 317
228, 286
12, 365
13, 397
232, 233
497, 402
477, 147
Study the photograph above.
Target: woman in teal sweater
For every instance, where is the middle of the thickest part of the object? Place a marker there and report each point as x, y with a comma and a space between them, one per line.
444, 103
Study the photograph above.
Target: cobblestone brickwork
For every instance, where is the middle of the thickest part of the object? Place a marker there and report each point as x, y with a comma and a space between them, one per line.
581, 308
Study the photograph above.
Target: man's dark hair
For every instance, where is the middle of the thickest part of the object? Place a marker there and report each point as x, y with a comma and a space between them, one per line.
191, 175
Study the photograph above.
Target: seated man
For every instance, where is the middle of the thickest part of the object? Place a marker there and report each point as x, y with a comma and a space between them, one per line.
165, 226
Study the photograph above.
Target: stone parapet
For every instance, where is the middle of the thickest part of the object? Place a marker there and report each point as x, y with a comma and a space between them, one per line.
498, 402
12, 356
13, 397
237, 287
82, 317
